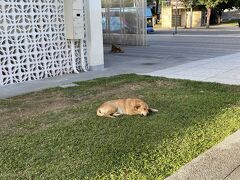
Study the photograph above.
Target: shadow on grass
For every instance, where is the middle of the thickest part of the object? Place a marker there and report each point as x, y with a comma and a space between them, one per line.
74, 143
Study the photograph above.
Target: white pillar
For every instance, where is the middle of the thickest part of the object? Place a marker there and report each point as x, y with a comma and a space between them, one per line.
94, 34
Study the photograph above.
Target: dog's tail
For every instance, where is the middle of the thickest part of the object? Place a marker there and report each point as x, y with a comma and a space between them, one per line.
153, 110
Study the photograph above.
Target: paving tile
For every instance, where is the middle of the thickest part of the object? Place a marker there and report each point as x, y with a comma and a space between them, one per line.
229, 75
235, 175
219, 65
223, 80
224, 69
198, 72
167, 71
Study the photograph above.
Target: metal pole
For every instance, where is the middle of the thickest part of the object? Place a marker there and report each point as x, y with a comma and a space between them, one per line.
176, 21
191, 16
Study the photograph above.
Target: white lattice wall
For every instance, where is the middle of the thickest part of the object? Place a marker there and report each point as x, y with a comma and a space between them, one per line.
32, 41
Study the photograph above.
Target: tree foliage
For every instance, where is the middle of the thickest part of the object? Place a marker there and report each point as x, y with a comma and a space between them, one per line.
229, 4
189, 3
211, 3
237, 3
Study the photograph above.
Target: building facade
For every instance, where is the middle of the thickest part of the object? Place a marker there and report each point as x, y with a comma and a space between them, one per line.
174, 12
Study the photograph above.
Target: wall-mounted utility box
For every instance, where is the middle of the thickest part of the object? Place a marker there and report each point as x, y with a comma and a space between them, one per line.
73, 17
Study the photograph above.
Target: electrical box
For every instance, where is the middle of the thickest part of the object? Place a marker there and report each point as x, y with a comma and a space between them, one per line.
73, 17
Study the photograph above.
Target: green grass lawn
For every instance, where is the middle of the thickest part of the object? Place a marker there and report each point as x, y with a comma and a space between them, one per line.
55, 133
230, 23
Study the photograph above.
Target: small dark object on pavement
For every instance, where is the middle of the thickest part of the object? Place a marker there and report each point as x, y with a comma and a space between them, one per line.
116, 49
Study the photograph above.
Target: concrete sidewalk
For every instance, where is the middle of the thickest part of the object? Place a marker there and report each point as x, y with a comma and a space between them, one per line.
11, 90
220, 162
224, 69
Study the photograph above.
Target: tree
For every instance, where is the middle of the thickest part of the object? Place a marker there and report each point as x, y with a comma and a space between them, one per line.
237, 3
210, 4
222, 6
229, 4
149, 1
187, 5
157, 6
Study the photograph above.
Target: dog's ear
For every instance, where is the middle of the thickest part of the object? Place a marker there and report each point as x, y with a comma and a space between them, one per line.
136, 107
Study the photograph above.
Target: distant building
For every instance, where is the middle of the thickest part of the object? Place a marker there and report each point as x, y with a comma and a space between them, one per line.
174, 11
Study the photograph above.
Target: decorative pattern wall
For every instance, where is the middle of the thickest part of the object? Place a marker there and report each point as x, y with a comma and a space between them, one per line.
32, 41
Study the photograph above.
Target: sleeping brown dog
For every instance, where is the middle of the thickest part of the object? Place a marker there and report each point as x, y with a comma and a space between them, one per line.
128, 106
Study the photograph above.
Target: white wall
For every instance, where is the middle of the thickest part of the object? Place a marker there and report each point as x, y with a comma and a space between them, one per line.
95, 35
196, 19
166, 18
